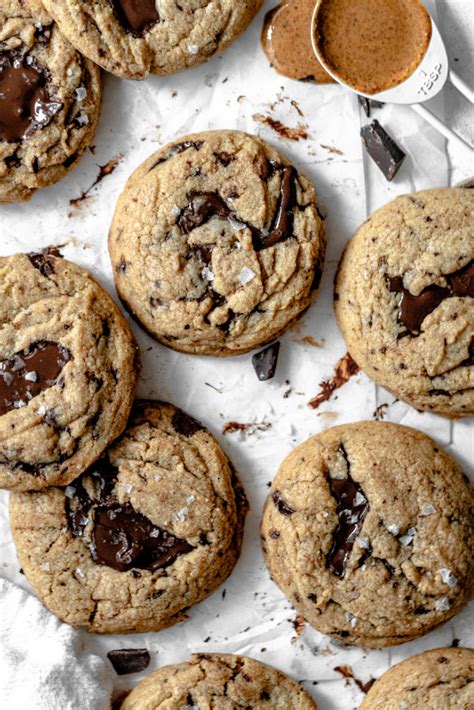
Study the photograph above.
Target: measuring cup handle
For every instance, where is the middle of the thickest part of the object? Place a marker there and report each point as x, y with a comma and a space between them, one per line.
461, 86
440, 126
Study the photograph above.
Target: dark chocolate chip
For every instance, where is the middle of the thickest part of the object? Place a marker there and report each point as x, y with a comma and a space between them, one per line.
176, 150
184, 424
203, 206
26, 105
30, 372
121, 537
129, 660
412, 310
352, 507
265, 362
383, 150
136, 16
368, 104
280, 504
43, 262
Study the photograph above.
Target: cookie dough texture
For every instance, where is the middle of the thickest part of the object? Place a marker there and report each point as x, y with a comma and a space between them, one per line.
421, 238
171, 36
52, 150
433, 680
52, 431
368, 530
216, 243
169, 469
218, 680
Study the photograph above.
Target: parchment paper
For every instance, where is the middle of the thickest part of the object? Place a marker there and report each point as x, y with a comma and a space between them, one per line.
249, 614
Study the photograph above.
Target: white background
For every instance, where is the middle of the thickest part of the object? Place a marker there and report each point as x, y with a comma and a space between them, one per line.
254, 617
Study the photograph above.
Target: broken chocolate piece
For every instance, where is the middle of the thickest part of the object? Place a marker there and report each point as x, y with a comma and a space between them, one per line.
176, 150
383, 150
412, 310
29, 372
368, 104
265, 362
121, 537
280, 504
203, 206
25, 102
129, 660
352, 507
185, 425
136, 16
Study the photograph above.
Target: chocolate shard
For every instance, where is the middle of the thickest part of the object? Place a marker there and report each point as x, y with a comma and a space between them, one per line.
129, 660
120, 536
352, 508
177, 149
203, 206
281, 505
185, 425
265, 362
383, 150
368, 104
136, 17
412, 310
26, 104
29, 372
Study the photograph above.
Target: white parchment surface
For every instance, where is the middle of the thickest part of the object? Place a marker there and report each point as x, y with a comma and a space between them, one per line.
249, 614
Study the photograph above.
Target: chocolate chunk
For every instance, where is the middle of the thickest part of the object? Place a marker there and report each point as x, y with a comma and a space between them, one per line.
30, 372
25, 103
203, 206
129, 660
412, 310
352, 507
383, 150
136, 16
282, 226
176, 150
185, 425
368, 104
121, 537
265, 362
43, 262
280, 504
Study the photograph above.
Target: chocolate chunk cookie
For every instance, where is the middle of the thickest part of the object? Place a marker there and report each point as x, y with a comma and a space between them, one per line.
132, 39
442, 679
49, 101
221, 681
404, 299
68, 371
152, 528
368, 529
216, 244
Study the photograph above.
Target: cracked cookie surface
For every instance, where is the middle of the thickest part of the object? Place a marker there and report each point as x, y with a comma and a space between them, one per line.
433, 680
133, 39
68, 371
404, 299
368, 529
216, 244
151, 529
50, 99
218, 680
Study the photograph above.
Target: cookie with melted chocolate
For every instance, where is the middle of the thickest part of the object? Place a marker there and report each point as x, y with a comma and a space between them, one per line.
133, 38
368, 530
49, 101
150, 529
68, 371
216, 243
404, 299
222, 681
